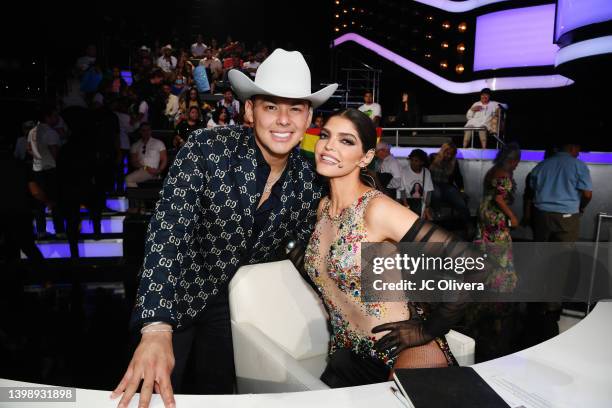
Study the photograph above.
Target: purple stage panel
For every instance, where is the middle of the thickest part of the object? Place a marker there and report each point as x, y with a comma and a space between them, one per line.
104, 248
489, 154
572, 14
119, 204
112, 225
521, 37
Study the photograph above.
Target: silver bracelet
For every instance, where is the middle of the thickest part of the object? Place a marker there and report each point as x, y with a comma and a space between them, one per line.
149, 330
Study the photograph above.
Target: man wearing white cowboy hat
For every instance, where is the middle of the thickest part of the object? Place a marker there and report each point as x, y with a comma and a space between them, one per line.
232, 197
167, 62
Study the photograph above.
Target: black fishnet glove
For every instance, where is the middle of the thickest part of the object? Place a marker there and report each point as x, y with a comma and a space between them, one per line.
416, 332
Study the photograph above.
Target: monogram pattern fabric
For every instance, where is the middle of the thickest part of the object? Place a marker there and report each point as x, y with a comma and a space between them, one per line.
198, 235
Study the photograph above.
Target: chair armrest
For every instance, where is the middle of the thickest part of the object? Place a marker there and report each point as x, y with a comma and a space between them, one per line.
463, 347
262, 366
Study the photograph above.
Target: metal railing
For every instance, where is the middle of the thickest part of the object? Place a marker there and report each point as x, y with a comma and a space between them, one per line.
427, 129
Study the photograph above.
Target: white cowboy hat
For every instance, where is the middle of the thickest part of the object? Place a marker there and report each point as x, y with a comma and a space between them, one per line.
284, 74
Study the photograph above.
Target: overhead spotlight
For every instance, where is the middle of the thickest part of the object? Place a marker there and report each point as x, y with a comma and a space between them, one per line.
353, 9
428, 55
428, 36
352, 23
444, 44
459, 69
345, 11
461, 48
429, 19
337, 15
336, 29
337, 1
344, 25
443, 64
462, 27
446, 25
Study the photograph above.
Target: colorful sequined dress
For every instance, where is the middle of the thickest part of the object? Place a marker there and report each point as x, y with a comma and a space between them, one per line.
333, 262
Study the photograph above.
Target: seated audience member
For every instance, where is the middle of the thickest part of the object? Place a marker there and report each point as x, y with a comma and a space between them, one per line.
480, 114
214, 68
389, 172
189, 99
172, 105
371, 108
407, 114
198, 47
220, 117
448, 182
167, 62
251, 65
148, 157
183, 129
21, 144
230, 103
317, 123
120, 108
417, 184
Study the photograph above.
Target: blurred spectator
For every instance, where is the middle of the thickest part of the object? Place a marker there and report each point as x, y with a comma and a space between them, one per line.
120, 109
198, 47
448, 181
179, 84
167, 62
251, 65
230, 103
318, 122
16, 210
21, 144
172, 105
193, 122
148, 157
417, 184
562, 189
220, 117
118, 84
389, 172
231, 62
480, 114
214, 68
371, 108
88, 60
201, 79
149, 91
214, 46
44, 145
407, 114
189, 99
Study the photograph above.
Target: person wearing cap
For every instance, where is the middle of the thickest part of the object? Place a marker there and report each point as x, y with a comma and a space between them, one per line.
480, 114
390, 171
167, 61
233, 196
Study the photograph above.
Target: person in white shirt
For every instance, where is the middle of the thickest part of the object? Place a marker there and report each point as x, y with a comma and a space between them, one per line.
371, 108
148, 155
198, 47
417, 184
389, 164
167, 62
172, 104
480, 114
251, 65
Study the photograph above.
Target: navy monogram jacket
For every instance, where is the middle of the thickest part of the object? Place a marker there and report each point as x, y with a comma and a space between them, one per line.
199, 233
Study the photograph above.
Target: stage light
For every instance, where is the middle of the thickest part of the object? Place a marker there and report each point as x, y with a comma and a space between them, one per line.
428, 36
446, 25
460, 48
462, 27
344, 25
353, 9
345, 11
459, 69
443, 64
430, 18
352, 23
337, 1
336, 29
428, 55
444, 44
337, 15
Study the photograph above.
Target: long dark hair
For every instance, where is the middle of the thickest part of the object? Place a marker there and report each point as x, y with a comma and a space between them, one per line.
366, 131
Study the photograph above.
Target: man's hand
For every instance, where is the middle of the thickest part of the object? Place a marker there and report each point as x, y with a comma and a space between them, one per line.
476, 108
152, 171
152, 363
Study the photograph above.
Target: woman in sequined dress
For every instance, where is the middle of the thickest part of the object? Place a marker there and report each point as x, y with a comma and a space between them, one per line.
355, 212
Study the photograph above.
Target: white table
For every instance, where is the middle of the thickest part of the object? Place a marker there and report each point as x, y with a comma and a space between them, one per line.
573, 369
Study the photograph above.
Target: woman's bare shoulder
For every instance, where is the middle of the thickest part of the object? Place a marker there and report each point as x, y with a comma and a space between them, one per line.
387, 219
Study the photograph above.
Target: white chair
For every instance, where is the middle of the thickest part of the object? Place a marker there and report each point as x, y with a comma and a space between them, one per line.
280, 331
